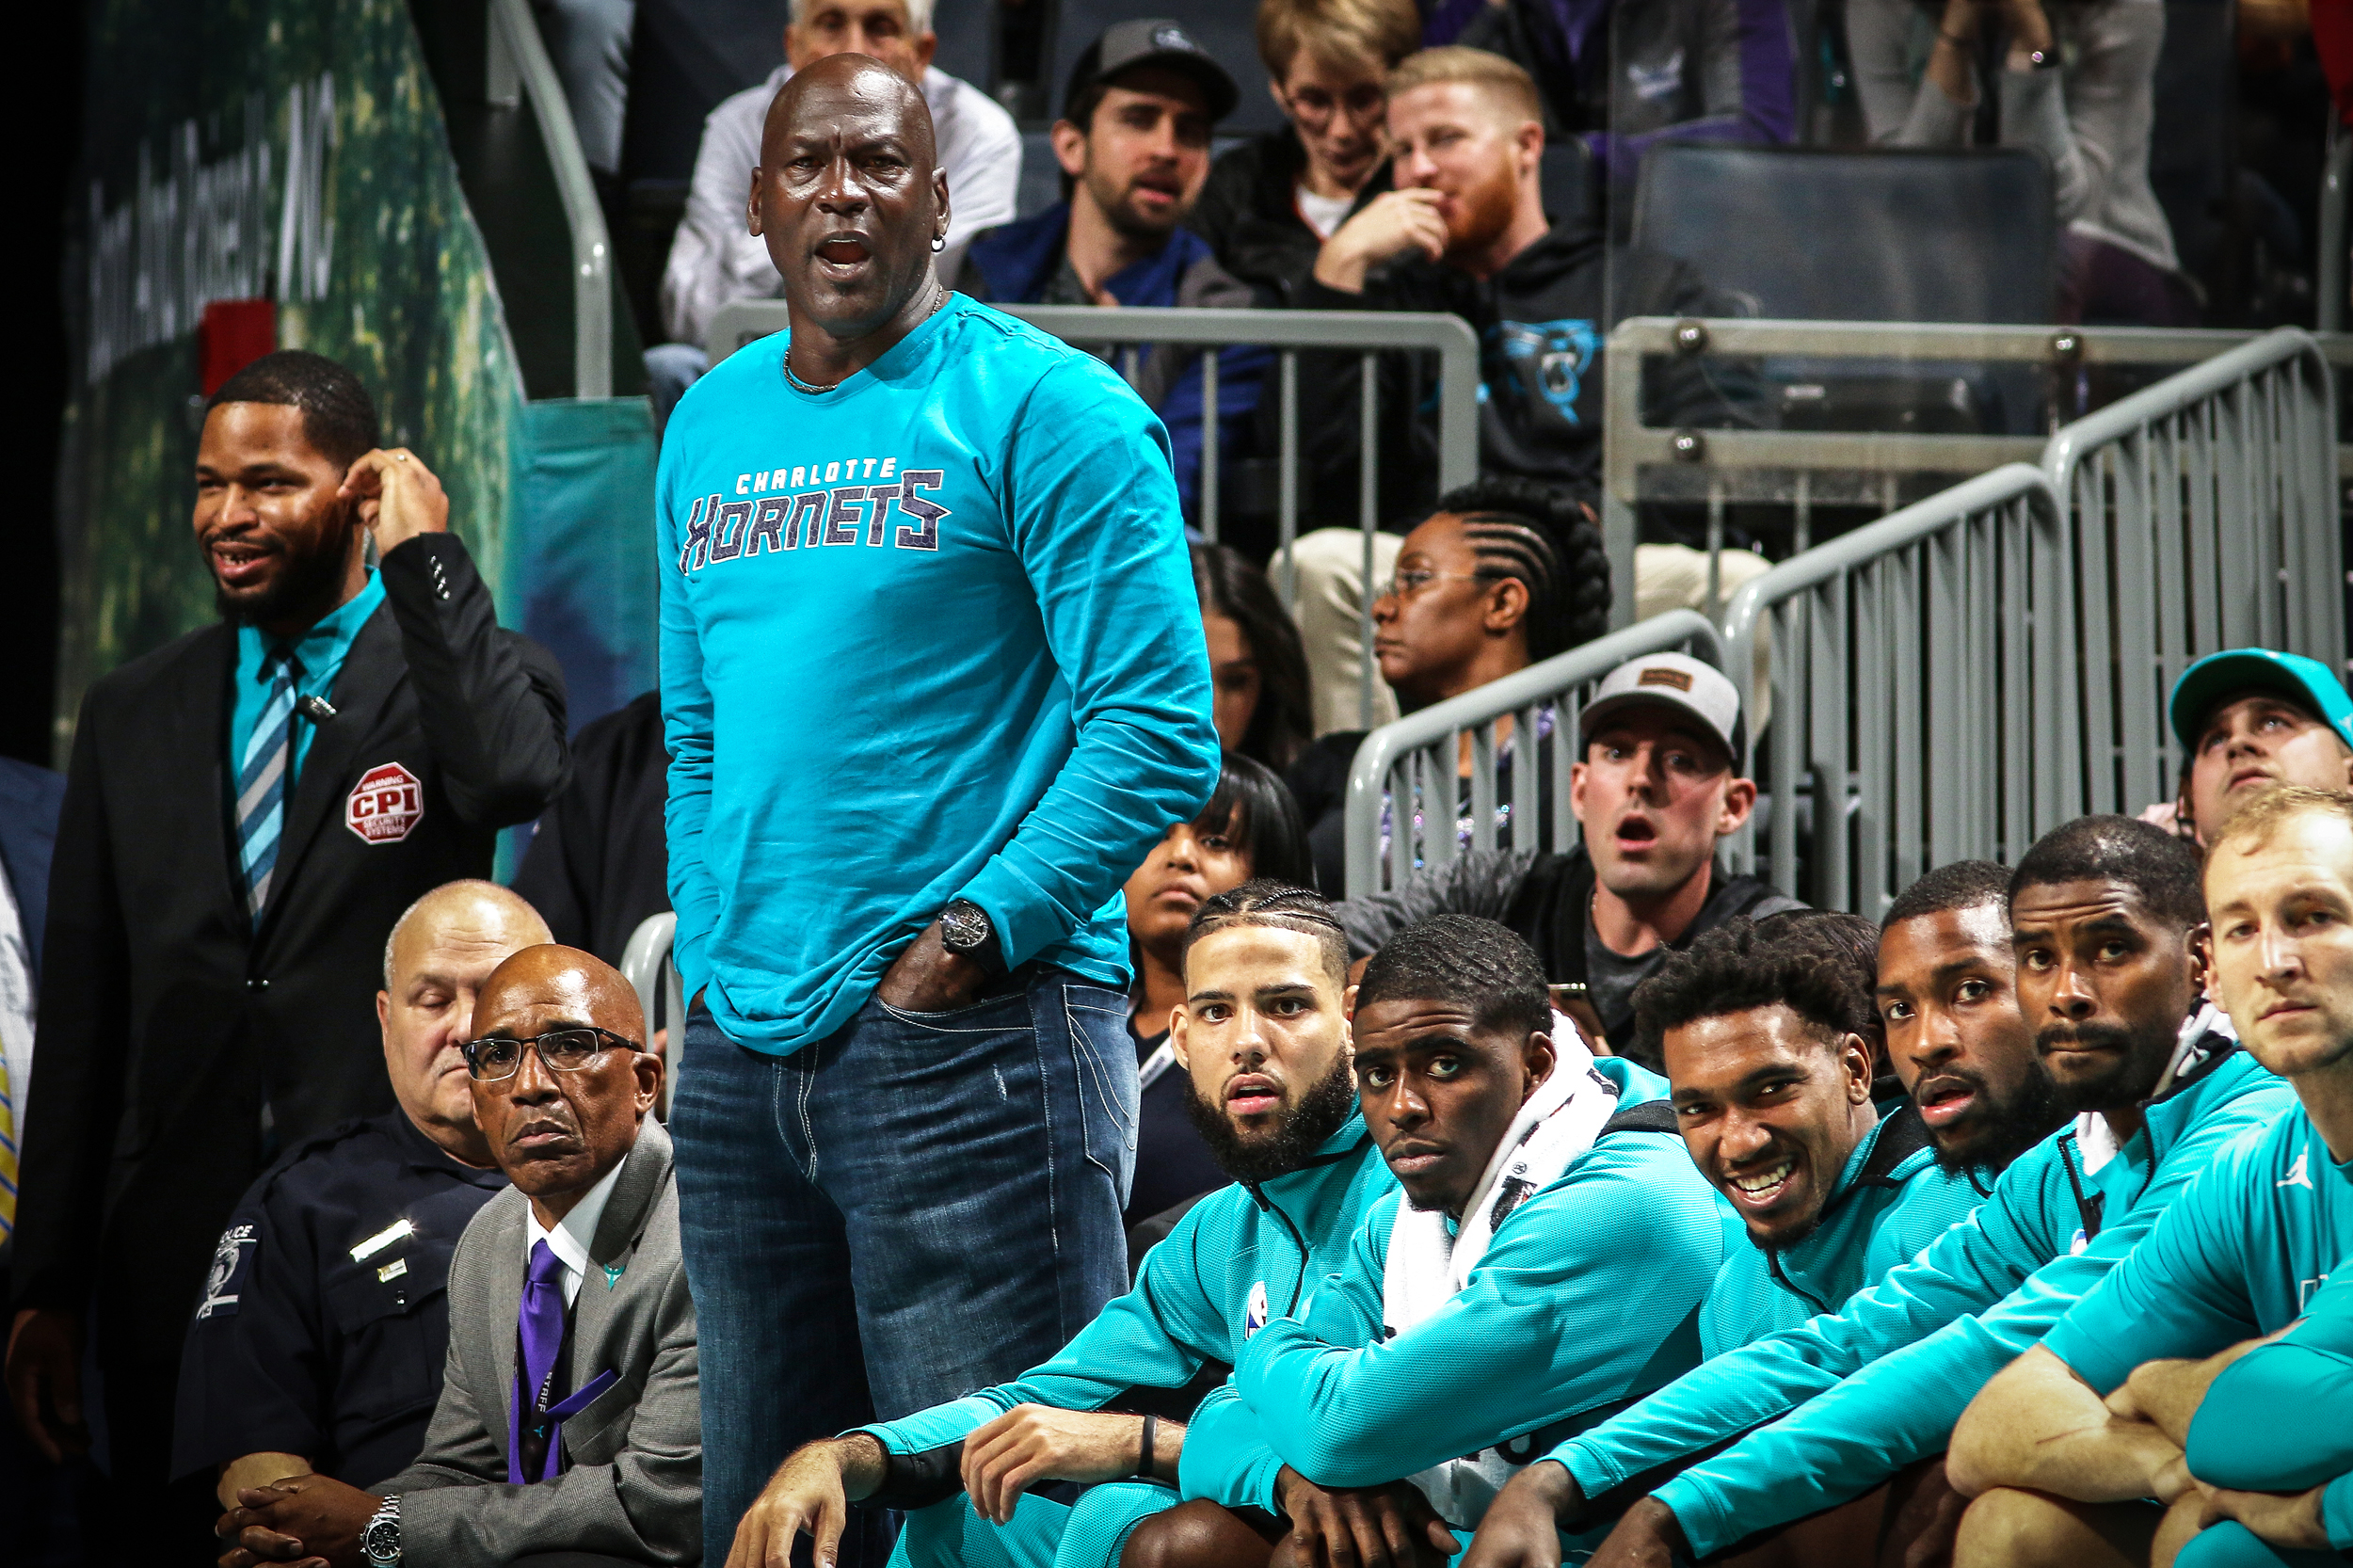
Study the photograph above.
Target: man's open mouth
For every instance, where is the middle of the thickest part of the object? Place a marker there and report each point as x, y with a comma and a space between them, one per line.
1637, 833
844, 249
1942, 1101
1253, 1095
236, 562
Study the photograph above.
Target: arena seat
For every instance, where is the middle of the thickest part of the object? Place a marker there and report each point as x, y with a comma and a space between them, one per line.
1815, 234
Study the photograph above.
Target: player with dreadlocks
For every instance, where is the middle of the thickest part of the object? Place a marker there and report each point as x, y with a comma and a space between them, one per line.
1504, 574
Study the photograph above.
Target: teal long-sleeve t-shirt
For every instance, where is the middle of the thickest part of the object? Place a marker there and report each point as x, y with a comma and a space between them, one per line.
929, 635
1836, 1406
1229, 1265
1587, 1296
2274, 1421
1892, 1200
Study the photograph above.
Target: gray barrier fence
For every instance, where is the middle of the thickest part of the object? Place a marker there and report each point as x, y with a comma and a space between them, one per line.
518, 67
1130, 331
1464, 773
1805, 469
1964, 674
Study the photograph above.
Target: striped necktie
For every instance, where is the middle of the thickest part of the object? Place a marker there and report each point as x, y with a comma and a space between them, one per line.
261, 779
7, 1151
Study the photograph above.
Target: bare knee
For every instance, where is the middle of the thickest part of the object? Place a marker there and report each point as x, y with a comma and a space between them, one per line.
2011, 1528
1199, 1534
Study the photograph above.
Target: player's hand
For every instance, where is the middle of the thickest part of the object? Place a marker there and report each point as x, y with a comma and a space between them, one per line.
1391, 224
1033, 1443
1522, 1527
811, 1494
1647, 1537
399, 498
2290, 1519
44, 1374
313, 1520
1370, 1526
928, 978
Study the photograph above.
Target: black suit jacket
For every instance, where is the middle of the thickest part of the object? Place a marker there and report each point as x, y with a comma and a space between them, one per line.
167, 1018
598, 863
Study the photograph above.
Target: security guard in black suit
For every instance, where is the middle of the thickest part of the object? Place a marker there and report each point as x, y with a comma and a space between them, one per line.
212, 952
318, 1343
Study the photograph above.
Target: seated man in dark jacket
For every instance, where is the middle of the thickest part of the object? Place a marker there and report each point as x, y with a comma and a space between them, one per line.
1467, 231
1271, 202
1134, 146
1658, 784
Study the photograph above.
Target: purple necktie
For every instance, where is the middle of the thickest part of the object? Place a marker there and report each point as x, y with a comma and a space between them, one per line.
532, 1453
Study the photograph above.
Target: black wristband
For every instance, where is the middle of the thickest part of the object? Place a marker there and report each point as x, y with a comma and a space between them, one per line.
1144, 1456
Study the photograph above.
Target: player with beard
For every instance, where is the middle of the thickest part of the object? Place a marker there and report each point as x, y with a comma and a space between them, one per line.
1543, 1263
1133, 141
2104, 915
1263, 1037
1466, 231
248, 809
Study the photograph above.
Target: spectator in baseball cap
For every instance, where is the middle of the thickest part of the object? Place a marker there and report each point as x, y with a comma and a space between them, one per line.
1658, 781
2250, 717
1133, 142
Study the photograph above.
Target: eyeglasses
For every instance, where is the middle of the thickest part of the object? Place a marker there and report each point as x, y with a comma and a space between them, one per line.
498, 1057
1313, 108
1406, 583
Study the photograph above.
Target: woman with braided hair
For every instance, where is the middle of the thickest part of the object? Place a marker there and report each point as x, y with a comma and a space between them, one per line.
1506, 573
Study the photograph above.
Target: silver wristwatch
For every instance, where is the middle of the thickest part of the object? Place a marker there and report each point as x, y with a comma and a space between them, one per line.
380, 1541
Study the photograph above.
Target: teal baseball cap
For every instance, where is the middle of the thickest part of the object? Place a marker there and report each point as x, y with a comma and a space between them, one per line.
2239, 672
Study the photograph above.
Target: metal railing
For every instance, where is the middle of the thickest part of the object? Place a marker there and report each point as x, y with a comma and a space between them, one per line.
1371, 333
520, 67
1407, 790
1804, 469
2203, 513
1966, 673
646, 965
1927, 658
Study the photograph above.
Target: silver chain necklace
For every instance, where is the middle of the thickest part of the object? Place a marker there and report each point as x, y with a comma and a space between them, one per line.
816, 390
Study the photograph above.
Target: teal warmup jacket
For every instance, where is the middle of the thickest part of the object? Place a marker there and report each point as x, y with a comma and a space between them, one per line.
1891, 1199
2275, 1420
1881, 1383
1588, 1296
1236, 1258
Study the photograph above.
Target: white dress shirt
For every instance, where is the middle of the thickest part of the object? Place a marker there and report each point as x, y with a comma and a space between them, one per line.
570, 1240
16, 1005
712, 259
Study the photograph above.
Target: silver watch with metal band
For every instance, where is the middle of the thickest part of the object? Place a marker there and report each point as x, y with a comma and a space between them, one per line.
380, 1541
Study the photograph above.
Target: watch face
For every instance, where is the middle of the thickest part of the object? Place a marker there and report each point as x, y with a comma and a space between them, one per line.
964, 926
382, 1541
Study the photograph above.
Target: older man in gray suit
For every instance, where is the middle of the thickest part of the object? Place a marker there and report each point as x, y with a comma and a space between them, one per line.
568, 1429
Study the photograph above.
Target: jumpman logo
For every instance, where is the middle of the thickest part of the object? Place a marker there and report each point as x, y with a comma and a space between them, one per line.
2296, 1177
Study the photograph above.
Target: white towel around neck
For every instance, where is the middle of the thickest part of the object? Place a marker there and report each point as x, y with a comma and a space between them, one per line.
1427, 1262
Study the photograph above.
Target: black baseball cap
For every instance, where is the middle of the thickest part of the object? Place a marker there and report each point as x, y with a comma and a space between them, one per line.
1152, 41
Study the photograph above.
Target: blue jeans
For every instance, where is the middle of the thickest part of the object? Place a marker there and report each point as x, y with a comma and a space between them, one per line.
921, 1204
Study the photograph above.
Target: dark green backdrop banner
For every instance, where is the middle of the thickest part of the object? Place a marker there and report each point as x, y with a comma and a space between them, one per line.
291, 149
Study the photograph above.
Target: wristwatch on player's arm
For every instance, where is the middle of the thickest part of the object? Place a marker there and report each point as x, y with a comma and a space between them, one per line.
379, 1544
965, 930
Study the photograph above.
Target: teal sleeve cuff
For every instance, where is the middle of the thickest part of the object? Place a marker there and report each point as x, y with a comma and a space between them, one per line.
2336, 1513
1703, 1523
1225, 1459
939, 1426
1589, 1469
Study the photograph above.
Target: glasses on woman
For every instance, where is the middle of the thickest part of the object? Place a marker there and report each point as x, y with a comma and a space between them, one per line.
1404, 584
1313, 108
496, 1057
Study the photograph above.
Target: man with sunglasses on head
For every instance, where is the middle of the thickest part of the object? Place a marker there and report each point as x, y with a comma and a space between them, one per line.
568, 1417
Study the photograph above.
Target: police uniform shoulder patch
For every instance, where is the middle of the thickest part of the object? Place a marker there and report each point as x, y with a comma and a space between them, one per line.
232, 1256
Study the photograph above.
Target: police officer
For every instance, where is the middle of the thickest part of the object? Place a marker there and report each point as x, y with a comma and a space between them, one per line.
317, 1346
